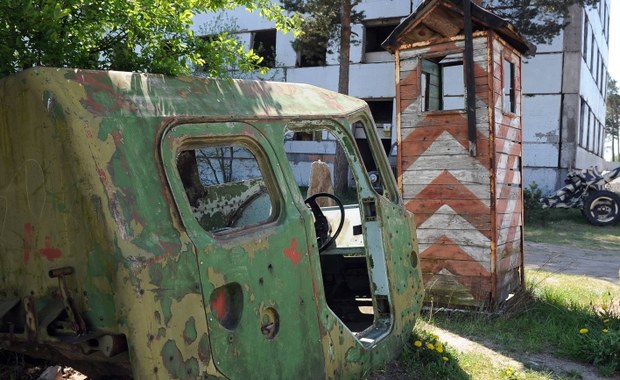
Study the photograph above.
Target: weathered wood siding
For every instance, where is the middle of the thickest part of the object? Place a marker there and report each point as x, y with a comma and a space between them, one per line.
508, 174
467, 208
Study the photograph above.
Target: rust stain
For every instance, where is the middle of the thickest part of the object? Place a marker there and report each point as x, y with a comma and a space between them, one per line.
292, 253
27, 242
51, 253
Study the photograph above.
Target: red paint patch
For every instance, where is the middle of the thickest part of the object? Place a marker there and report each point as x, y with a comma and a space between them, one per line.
51, 253
117, 137
27, 242
292, 253
219, 304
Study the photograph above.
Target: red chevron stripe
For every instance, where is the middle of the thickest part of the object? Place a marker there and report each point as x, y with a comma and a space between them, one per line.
452, 194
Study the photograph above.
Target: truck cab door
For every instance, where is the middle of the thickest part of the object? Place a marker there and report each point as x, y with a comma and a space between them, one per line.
252, 253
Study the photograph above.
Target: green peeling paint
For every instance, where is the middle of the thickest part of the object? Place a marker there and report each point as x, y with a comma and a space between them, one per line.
90, 190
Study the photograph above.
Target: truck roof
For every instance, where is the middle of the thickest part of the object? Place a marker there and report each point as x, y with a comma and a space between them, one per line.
152, 95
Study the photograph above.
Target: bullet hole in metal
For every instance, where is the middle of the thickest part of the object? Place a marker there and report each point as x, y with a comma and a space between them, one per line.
414, 259
270, 323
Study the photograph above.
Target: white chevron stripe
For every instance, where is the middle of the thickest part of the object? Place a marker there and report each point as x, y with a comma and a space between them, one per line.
508, 213
447, 222
434, 162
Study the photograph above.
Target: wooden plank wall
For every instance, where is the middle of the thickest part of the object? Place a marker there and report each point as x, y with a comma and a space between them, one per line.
448, 190
468, 209
508, 174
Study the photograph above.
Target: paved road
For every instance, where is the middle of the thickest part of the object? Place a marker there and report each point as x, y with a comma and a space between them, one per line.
602, 264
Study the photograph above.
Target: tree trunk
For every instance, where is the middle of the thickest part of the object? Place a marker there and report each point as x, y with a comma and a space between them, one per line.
341, 166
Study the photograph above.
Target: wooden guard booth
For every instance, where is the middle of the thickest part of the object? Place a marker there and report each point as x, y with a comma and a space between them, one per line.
458, 78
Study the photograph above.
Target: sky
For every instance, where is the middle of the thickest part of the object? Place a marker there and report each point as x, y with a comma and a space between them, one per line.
614, 40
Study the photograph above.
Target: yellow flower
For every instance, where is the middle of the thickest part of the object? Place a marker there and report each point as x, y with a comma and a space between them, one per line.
430, 346
417, 343
439, 347
606, 321
445, 358
583, 331
434, 337
605, 331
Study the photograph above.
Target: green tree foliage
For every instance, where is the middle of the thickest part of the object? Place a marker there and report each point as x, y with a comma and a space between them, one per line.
612, 121
539, 20
138, 35
321, 29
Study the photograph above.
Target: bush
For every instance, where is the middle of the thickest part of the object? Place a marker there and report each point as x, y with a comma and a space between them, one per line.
533, 210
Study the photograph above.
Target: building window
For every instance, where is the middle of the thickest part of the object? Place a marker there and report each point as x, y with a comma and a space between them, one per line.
381, 110
508, 82
441, 83
375, 33
583, 121
591, 51
586, 29
264, 44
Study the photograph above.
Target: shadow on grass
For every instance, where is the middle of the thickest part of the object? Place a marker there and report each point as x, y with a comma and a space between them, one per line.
569, 226
533, 322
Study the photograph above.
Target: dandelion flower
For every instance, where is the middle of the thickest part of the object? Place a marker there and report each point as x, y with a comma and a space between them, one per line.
430, 346
434, 337
445, 358
605, 331
417, 343
439, 347
583, 331
606, 321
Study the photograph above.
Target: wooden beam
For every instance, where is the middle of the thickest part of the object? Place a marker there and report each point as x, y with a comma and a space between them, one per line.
470, 83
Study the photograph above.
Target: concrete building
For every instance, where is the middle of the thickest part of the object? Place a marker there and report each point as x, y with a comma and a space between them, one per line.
564, 85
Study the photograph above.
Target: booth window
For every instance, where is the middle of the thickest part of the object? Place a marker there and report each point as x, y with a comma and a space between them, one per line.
509, 87
442, 83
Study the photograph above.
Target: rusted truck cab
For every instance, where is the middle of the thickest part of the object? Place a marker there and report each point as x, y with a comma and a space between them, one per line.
160, 228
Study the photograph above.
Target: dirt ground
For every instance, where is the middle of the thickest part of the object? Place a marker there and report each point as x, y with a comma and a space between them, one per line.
595, 263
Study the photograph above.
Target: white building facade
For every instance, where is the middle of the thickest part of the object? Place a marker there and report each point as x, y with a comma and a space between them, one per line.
564, 85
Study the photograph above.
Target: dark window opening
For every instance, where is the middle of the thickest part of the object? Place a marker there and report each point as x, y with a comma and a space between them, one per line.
508, 82
264, 44
376, 34
381, 110
311, 59
442, 83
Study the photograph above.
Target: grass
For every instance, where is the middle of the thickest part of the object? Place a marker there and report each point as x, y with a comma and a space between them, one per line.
545, 319
569, 227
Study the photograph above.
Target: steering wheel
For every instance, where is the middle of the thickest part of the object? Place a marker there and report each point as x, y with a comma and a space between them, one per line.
321, 225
